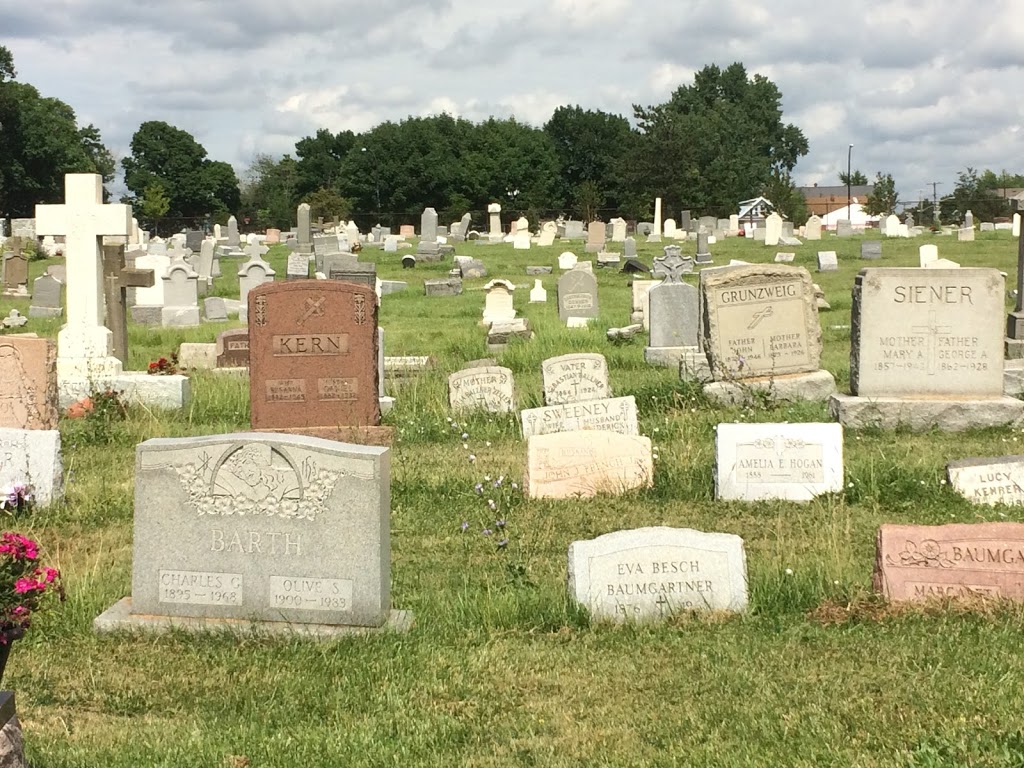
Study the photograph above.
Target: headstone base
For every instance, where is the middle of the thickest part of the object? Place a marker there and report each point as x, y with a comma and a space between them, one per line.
671, 357
818, 386
136, 386
119, 618
35, 312
179, 317
1013, 378
946, 414
392, 286
146, 315
1014, 348
12, 748
382, 436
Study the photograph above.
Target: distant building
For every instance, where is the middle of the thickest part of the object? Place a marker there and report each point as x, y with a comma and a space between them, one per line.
823, 200
755, 211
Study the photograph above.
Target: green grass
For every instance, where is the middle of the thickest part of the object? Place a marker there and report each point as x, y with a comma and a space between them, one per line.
500, 668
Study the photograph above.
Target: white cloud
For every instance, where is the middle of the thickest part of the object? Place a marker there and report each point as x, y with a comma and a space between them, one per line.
921, 89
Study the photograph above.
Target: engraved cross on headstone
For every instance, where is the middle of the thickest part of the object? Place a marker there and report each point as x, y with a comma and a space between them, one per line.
934, 330
672, 265
662, 603
117, 279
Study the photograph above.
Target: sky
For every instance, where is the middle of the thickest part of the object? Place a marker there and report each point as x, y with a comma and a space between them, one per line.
921, 88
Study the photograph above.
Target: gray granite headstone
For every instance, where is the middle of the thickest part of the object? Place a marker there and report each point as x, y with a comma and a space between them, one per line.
472, 268
46, 301
194, 239
577, 295
703, 252
449, 286
629, 247
827, 261
844, 228
871, 249
673, 305
298, 266
262, 527
215, 309
181, 296
574, 230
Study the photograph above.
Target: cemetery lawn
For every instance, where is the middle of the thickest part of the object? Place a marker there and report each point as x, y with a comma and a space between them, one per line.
500, 668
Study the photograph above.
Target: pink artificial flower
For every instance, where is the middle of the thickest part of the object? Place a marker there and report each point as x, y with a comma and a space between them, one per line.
25, 585
51, 574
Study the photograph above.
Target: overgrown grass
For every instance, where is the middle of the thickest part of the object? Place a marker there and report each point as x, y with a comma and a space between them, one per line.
500, 668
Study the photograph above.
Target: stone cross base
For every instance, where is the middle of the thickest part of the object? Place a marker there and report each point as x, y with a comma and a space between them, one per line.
817, 386
947, 414
169, 392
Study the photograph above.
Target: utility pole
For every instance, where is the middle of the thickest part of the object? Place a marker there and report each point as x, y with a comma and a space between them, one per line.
849, 199
935, 201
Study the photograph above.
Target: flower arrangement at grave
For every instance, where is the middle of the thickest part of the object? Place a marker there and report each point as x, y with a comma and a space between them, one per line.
26, 585
164, 366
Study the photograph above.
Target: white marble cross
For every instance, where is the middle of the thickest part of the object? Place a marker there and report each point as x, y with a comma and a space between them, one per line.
255, 251
83, 219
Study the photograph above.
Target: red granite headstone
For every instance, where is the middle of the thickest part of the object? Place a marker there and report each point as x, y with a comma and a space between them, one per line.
28, 383
919, 562
313, 356
233, 348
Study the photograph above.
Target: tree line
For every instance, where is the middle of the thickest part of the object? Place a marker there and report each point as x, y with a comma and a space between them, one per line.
713, 143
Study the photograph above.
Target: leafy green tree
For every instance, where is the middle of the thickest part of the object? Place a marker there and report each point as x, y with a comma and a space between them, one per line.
269, 195
590, 146
321, 159
713, 143
883, 197
514, 164
588, 198
7, 70
976, 194
327, 203
154, 204
857, 179
394, 171
221, 188
196, 186
785, 197
402, 168
40, 142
